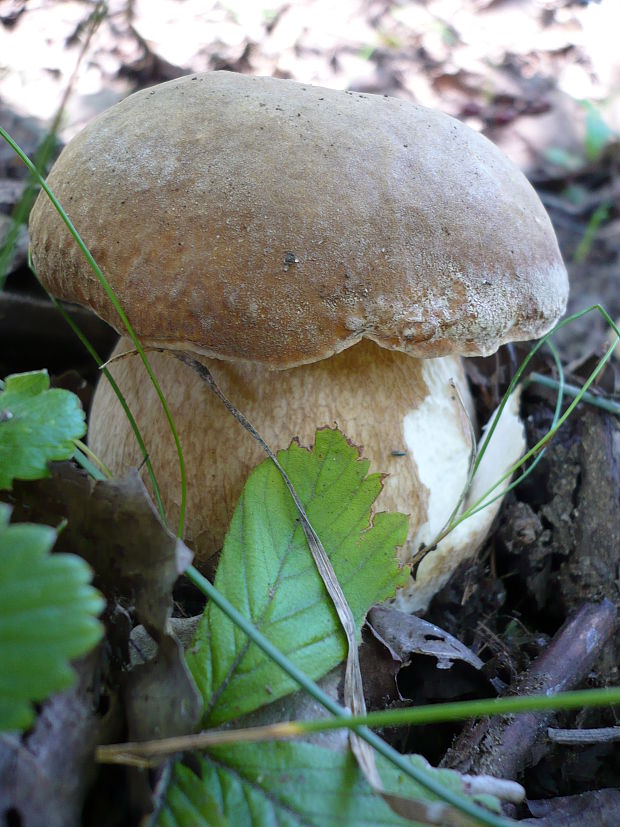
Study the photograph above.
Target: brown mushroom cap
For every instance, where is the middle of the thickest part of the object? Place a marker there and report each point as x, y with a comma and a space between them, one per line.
250, 218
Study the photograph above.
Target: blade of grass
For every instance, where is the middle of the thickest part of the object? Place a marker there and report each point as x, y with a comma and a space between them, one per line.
412, 716
533, 352
598, 217
426, 780
82, 460
560, 387
119, 395
602, 402
481, 502
100, 470
121, 313
452, 522
484, 500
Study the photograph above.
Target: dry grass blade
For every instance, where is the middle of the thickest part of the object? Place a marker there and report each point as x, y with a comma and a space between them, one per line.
353, 689
415, 810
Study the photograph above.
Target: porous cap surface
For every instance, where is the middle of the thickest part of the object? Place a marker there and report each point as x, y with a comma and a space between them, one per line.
252, 218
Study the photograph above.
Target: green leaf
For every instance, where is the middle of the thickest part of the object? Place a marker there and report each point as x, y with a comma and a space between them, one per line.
37, 425
288, 784
48, 613
267, 572
598, 133
564, 159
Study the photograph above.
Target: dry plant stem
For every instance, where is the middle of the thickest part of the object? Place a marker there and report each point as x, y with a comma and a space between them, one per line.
488, 785
149, 753
602, 402
123, 317
424, 812
600, 735
353, 689
502, 746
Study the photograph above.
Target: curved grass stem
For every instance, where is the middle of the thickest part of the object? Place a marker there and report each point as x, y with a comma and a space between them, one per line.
558, 420
423, 778
122, 316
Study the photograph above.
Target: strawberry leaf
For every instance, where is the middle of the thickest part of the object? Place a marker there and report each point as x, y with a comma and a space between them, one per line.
267, 572
37, 425
48, 612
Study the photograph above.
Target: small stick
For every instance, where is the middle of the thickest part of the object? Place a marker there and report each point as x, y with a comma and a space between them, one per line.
502, 745
603, 402
600, 735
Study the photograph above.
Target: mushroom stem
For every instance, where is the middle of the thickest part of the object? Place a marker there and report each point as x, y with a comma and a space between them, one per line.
405, 415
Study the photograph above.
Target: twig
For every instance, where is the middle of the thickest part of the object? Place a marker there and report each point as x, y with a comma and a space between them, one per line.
502, 746
606, 404
600, 735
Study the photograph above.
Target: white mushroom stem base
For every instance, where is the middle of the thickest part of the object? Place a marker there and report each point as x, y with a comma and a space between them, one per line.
405, 414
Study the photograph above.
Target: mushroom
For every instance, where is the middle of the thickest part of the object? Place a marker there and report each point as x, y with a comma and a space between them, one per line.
328, 255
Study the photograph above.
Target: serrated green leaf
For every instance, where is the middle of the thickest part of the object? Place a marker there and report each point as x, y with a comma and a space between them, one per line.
37, 426
267, 572
187, 803
288, 784
48, 616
